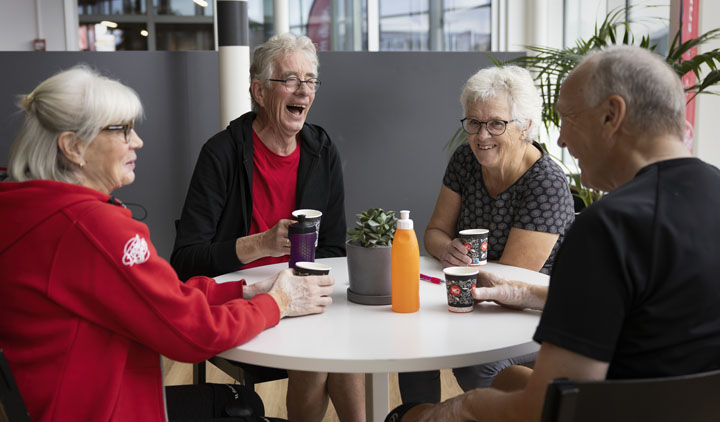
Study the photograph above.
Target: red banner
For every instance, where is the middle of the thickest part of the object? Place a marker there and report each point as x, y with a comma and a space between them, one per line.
689, 19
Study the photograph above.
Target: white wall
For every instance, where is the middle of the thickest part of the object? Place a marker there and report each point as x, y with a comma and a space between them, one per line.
707, 111
19, 23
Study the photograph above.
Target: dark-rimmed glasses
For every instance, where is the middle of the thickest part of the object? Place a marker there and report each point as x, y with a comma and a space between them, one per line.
293, 83
493, 127
126, 128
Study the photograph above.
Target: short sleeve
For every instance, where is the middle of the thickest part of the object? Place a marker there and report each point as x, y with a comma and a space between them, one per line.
459, 168
545, 204
586, 282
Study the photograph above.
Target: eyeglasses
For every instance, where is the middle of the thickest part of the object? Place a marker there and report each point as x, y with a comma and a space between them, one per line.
493, 127
126, 129
292, 83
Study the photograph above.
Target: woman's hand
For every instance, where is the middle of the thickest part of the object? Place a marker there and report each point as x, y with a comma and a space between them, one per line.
297, 295
455, 255
262, 286
275, 241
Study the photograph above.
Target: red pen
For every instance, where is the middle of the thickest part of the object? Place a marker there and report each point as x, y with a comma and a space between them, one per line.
433, 280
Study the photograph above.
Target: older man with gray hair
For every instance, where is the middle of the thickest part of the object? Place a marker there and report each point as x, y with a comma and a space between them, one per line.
634, 291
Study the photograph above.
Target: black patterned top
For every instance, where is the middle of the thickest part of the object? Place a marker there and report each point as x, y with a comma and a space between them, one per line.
540, 200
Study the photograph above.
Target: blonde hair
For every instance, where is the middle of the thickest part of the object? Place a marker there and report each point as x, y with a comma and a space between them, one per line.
277, 46
517, 84
77, 100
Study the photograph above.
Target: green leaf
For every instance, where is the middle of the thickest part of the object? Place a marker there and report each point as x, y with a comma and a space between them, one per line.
374, 227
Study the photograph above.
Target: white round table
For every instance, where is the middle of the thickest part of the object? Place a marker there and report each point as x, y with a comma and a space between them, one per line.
374, 340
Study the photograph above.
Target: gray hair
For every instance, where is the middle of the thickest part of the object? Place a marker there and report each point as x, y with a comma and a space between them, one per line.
651, 89
278, 46
517, 84
76, 100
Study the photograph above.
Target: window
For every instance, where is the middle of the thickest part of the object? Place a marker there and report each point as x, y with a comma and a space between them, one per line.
112, 25
466, 25
334, 25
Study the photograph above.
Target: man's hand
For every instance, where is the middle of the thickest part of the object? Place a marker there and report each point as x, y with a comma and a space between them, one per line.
508, 293
275, 241
455, 255
297, 295
449, 410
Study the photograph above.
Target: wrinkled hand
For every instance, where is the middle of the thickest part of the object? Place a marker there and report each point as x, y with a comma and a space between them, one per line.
455, 255
508, 293
297, 295
449, 410
262, 286
275, 241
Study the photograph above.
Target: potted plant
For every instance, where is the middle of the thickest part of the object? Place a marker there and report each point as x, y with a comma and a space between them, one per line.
368, 257
551, 65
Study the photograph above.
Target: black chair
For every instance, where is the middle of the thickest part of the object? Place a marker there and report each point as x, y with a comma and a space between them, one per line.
12, 407
681, 398
245, 373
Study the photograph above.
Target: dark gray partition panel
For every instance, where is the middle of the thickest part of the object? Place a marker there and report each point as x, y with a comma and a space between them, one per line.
179, 92
389, 113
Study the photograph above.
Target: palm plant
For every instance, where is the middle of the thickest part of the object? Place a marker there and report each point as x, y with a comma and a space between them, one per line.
551, 65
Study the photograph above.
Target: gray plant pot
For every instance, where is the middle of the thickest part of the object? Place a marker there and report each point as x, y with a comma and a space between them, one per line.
369, 274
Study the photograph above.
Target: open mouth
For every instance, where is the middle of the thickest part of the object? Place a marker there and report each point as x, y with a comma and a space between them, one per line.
485, 147
296, 109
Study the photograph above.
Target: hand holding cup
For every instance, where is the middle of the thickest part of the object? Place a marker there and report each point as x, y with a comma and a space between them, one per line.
455, 255
476, 245
301, 295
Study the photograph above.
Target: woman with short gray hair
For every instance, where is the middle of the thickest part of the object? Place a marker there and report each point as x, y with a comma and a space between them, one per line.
502, 181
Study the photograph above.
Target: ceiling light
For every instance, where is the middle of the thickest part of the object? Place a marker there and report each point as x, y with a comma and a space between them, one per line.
201, 3
144, 32
109, 24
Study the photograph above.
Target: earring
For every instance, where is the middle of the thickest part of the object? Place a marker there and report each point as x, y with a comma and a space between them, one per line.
82, 164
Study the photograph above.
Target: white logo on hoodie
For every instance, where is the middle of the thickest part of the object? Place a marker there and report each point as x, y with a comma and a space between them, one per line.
136, 251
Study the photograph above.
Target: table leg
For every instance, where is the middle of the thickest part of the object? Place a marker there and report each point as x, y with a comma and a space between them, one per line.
377, 396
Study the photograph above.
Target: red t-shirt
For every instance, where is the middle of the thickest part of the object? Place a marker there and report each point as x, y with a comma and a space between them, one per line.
274, 184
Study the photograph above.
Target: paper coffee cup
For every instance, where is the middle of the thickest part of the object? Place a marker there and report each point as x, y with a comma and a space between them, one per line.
459, 282
313, 216
304, 268
476, 244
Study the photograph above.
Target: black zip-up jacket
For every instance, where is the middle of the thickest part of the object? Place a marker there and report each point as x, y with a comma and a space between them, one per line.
218, 205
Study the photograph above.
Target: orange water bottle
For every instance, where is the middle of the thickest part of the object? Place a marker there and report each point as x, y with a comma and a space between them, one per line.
405, 267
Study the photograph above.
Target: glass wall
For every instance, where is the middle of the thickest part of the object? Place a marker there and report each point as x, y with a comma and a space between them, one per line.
646, 17
467, 25
184, 7
404, 25
112, 7
334, 25
112, 25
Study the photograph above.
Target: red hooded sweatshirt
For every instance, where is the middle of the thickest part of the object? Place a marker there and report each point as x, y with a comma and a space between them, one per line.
87, 307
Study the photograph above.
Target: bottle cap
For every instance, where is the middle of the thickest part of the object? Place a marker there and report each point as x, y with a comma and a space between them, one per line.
302, 226
404, 223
